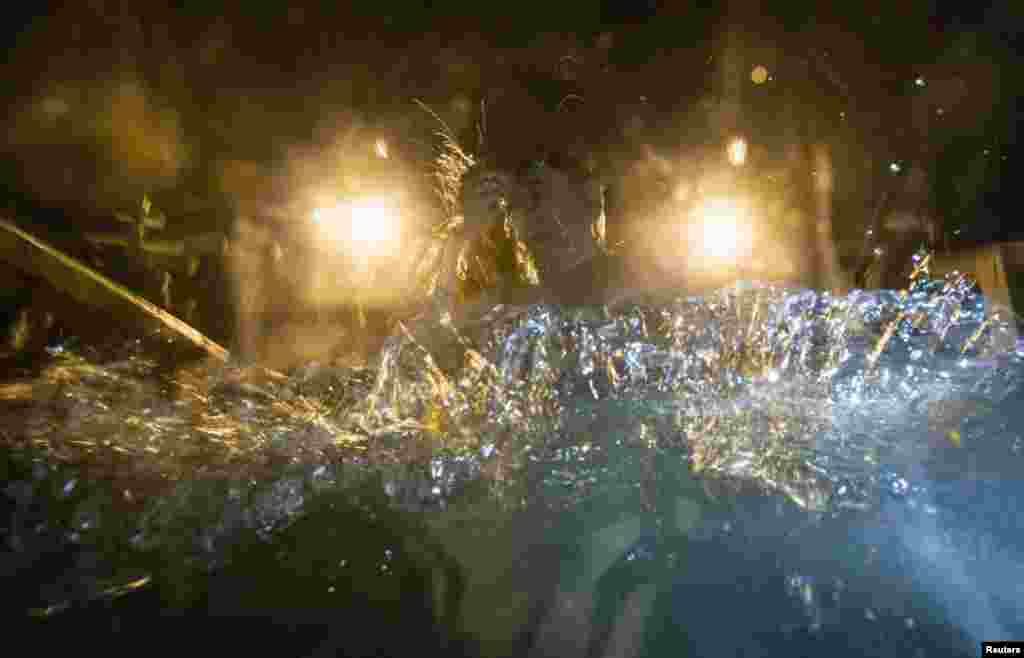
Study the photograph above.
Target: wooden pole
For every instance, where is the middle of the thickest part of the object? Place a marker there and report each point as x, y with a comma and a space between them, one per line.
87, 286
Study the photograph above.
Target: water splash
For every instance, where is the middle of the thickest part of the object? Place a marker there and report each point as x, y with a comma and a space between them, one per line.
833, 401
864, 405
806, 393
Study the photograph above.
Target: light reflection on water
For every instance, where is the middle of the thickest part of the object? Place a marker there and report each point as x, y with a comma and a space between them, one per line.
864, 411
804, 393
849, 404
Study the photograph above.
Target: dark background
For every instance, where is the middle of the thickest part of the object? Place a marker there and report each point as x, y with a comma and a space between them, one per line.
217, 109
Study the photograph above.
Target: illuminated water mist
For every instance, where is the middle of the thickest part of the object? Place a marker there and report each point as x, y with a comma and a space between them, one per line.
872, 405
808, 394
842, 404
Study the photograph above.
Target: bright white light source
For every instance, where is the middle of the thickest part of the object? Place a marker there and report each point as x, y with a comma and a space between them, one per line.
737, 152
895, 167
370, 226
722, 224
372, 223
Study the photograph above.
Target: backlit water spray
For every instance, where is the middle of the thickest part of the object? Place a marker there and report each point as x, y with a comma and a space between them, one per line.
871, 406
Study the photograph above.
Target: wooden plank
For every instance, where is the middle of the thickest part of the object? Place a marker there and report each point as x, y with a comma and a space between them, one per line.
87, 286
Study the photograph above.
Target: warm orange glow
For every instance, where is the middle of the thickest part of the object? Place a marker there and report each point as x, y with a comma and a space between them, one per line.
373, 223
737, 152
712, 242
371, 227
358, 254
682, 191
721, 225
381, 149
759, 75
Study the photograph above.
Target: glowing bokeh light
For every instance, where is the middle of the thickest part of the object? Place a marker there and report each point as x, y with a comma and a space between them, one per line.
372, 222
370, 226
358, 253
759, 75
722, 223
381, 149
737, 151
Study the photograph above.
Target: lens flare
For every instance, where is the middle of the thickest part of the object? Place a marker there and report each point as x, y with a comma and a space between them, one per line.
373, 223
724, 234
367, 224
719, 228
358, 252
